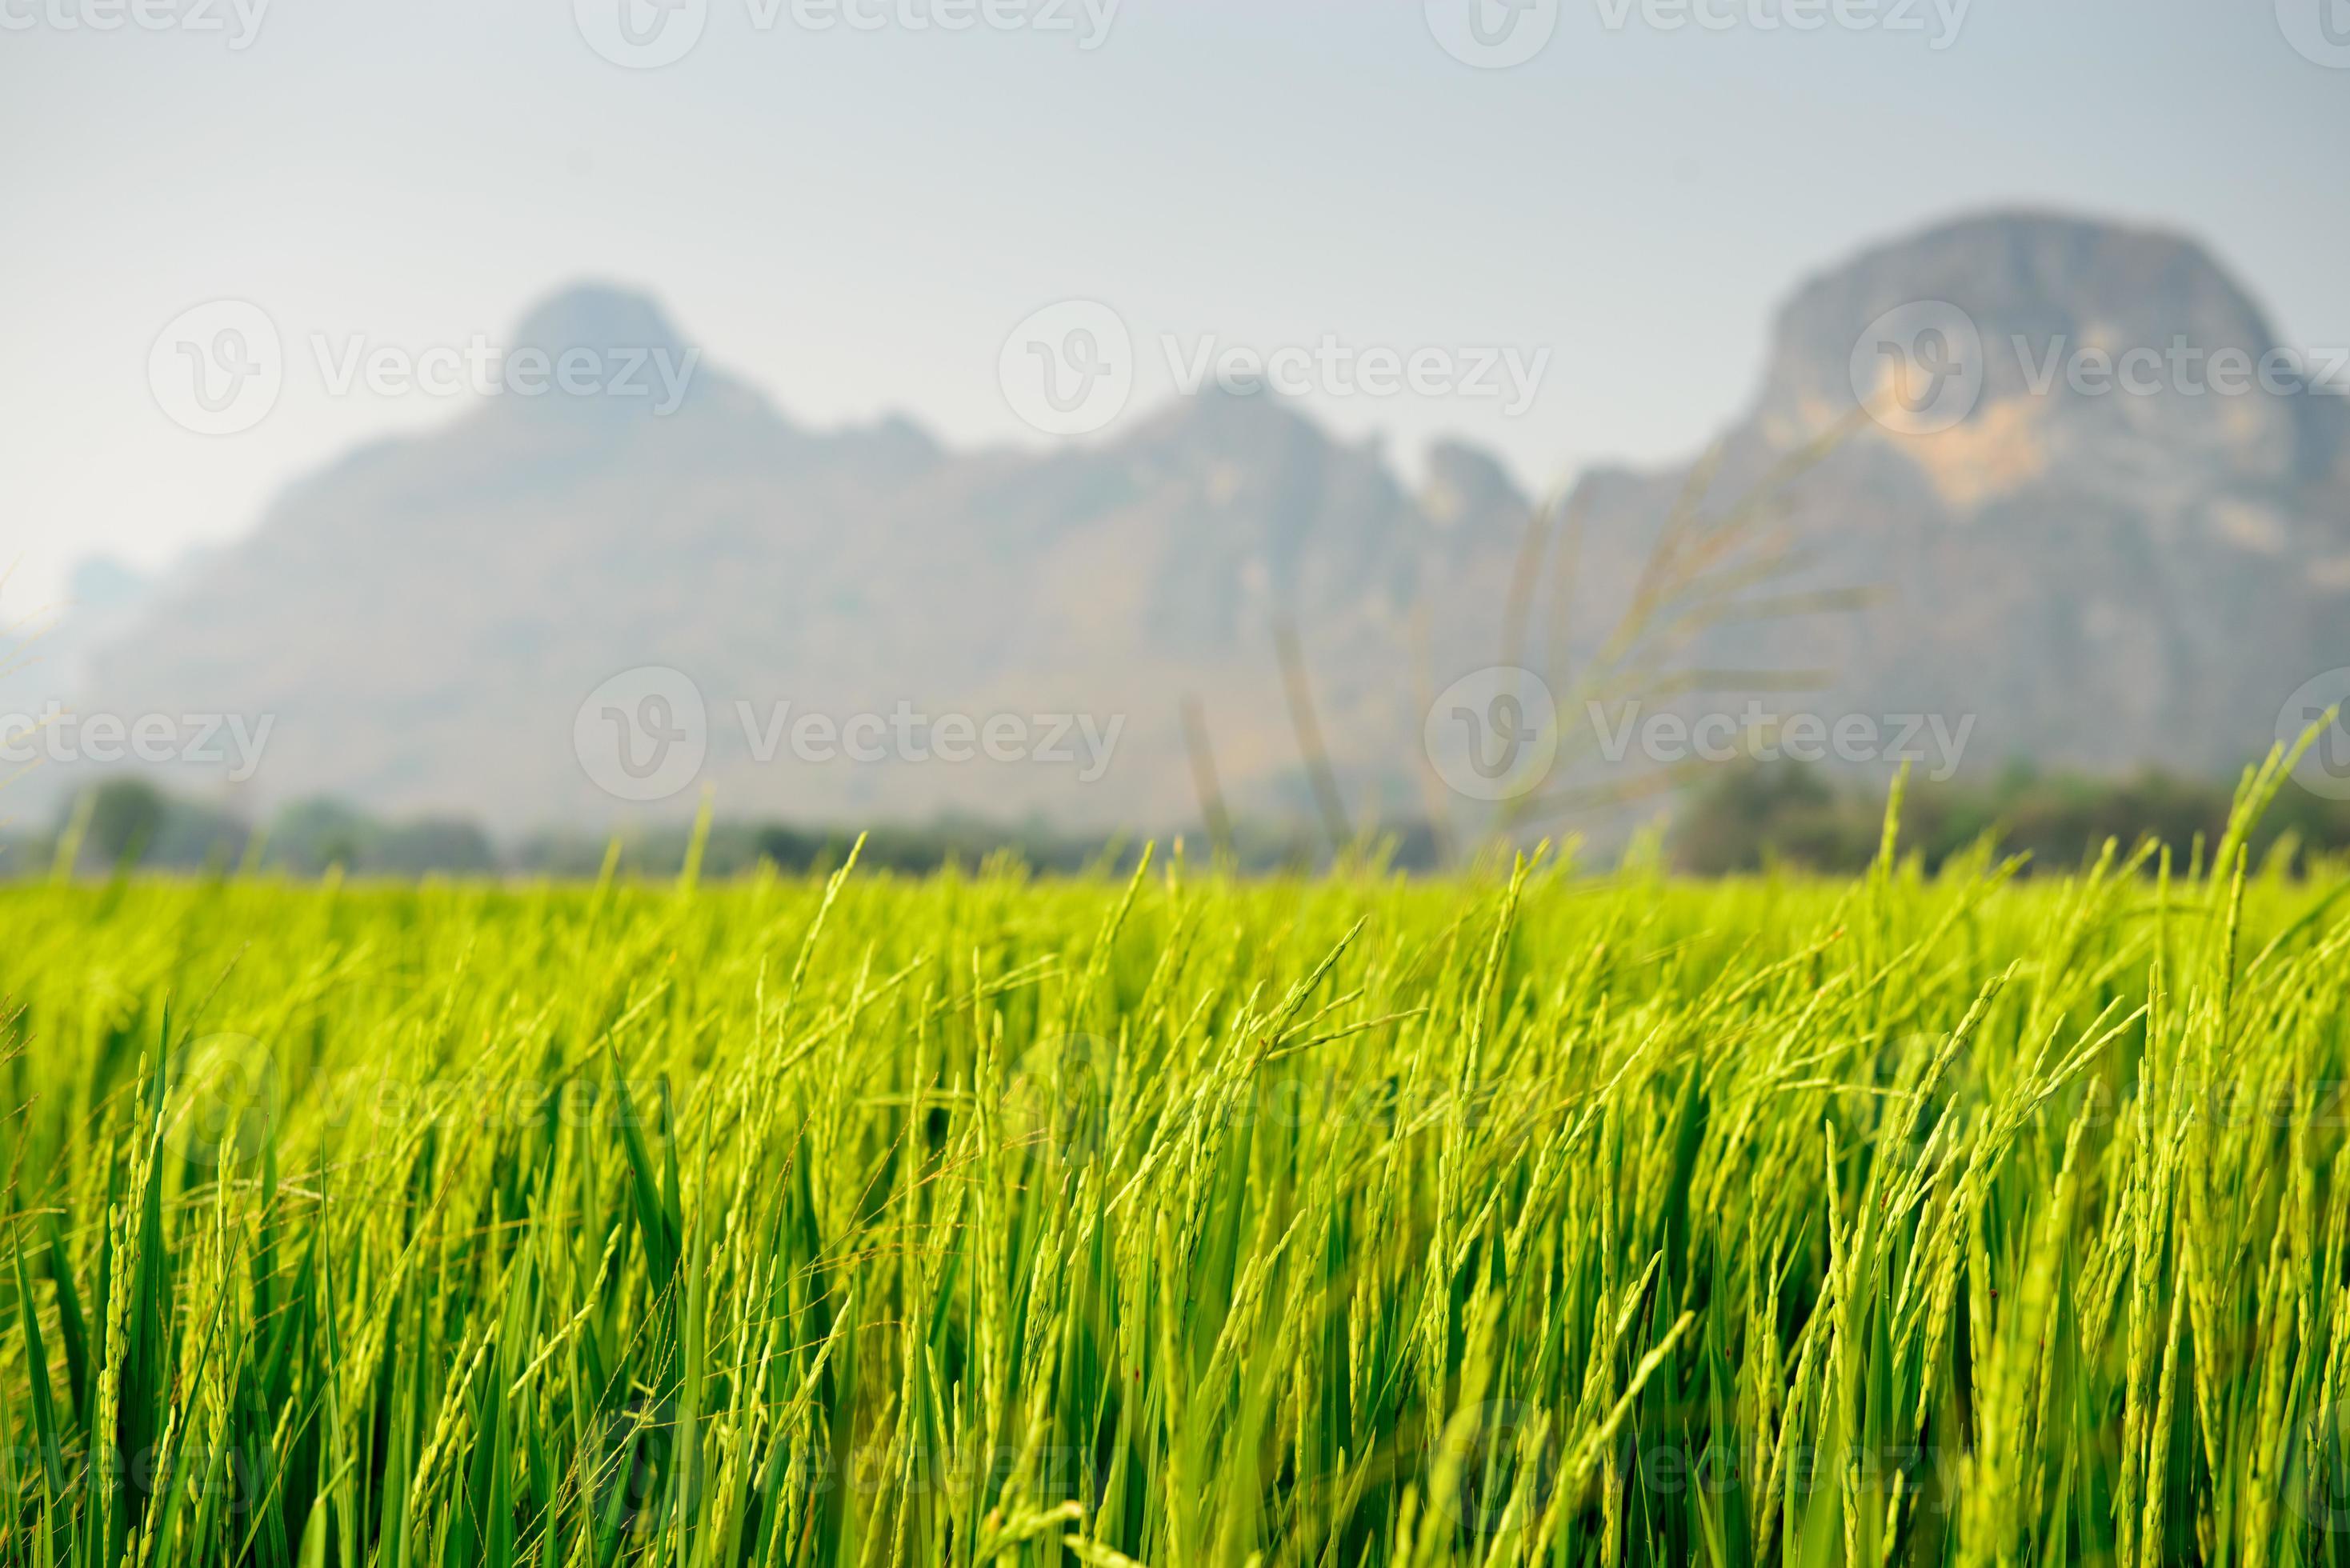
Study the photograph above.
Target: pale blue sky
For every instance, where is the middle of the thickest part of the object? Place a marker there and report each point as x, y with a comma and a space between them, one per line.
855, 221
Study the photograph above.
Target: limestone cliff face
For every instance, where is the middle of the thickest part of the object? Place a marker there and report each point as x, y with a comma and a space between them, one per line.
2129, 550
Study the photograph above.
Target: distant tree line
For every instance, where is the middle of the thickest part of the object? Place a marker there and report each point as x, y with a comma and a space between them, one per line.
1749, 818
126, 824
1739, 820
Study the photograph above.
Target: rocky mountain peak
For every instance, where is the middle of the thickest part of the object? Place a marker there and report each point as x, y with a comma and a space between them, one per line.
604, 317
2052, 343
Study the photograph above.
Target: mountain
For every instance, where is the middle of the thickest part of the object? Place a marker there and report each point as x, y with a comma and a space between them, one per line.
45, 652
2096, 578
423, 619
2105, 577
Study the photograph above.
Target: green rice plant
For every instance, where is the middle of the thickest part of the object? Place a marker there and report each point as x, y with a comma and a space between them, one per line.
1530, 1217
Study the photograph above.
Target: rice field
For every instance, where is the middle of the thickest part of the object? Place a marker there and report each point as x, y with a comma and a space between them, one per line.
1530, 1217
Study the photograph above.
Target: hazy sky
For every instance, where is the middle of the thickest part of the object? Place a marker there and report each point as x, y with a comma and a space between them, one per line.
854, 219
